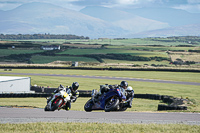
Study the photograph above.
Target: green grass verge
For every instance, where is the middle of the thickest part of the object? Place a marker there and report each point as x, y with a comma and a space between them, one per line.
98, 128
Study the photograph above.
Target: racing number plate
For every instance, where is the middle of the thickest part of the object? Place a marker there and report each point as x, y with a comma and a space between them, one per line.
65, 95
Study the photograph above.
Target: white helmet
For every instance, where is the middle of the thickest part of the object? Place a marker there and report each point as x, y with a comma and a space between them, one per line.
129, 88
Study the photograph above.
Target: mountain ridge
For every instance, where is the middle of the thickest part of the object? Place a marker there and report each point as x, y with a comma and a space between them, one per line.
125, 20
172, 31
95, 22
47, 18
174, 17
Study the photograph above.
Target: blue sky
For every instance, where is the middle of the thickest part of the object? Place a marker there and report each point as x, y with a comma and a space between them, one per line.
188, 5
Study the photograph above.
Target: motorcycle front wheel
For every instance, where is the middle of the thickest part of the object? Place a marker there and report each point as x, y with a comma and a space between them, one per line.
46, 108
112, 104
56, 104
88, 105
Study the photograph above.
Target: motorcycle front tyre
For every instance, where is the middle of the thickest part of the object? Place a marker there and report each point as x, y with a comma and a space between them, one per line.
88, 105
46, 108
55, 106
111, 107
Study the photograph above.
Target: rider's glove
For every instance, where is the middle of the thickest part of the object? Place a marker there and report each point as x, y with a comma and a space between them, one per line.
124, 98
73, 99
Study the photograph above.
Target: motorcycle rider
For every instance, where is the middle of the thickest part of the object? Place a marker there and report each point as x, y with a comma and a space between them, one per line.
123, 86
69, 89
129, 97
129, 93
74, 91
103, 89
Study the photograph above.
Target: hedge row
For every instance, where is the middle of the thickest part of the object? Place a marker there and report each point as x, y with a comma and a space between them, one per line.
168, 107
96, 68
24, 95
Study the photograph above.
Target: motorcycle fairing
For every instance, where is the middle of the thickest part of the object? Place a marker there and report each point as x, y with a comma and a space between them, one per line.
108, 95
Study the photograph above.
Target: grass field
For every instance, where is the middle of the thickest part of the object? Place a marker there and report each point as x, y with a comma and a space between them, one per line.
185, 56
123, 63
151, 48
115, 51
48, 59
142, 47
175, 76
130, 41
6, 52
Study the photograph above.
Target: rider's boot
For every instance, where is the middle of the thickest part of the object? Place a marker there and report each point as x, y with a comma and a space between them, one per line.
68, 106
128, 104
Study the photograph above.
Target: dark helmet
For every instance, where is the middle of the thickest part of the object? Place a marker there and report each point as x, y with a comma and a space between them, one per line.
75, 86
124, 83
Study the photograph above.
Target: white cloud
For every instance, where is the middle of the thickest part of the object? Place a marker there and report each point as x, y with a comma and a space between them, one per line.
8, 6
11, 4
189, 5
190, 8
127, 2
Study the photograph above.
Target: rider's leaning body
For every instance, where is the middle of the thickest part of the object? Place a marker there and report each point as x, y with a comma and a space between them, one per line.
127, 92
73, 90
75, 94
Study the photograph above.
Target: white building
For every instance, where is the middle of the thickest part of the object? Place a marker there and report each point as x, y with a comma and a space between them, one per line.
50, 47
10, 84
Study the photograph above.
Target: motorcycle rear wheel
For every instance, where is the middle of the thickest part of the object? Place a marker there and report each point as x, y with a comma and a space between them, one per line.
123, 109
111, 105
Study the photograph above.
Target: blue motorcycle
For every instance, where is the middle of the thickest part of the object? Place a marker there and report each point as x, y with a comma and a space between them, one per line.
111, 100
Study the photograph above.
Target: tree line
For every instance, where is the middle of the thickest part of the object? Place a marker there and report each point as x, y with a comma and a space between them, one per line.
40, 36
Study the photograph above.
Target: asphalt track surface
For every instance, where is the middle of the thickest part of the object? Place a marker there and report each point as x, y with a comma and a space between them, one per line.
109, 78
30, 115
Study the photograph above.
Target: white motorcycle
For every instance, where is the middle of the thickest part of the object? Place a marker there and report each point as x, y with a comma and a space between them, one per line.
58, 100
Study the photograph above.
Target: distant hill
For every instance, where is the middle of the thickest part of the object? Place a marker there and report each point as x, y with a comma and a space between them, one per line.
174, 17
47, 18
127, 21
192, 30
97, 22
